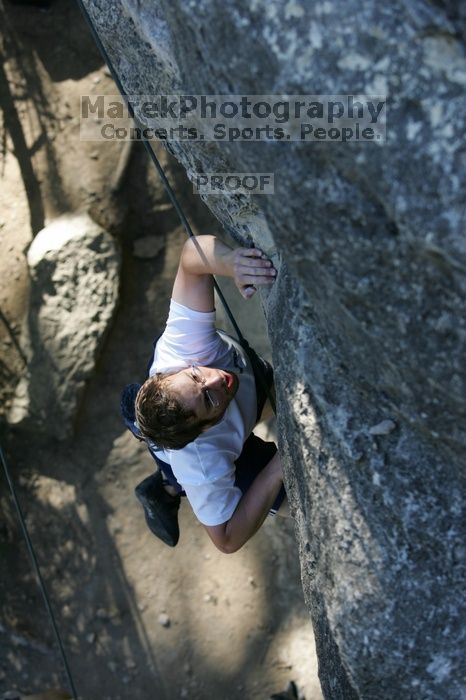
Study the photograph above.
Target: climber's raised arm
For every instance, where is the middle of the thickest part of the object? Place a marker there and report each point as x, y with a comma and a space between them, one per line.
204, 256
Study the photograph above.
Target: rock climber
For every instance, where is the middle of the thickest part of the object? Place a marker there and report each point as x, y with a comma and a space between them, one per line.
199, 405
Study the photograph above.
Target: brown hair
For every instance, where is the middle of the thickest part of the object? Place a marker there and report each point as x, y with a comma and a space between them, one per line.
162, 417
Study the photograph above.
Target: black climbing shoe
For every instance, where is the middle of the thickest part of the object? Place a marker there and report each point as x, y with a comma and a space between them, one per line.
160, 509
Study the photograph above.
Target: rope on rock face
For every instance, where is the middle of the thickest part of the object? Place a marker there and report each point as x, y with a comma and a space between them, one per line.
36, 568
258, 371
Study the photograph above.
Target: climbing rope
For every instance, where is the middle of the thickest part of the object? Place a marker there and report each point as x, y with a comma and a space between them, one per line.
257, 367
255, 362
37, 571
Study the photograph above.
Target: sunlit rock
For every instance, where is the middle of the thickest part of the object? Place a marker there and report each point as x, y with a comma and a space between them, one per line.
74, 267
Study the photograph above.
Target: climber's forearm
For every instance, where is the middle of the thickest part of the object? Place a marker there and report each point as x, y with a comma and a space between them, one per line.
207, 255
251, 510
204, 256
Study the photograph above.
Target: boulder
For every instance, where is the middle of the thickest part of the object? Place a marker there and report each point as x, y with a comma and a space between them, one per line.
74, 268
366, 317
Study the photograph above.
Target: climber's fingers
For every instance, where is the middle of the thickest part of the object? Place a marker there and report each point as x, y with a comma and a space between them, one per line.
251, 268
263, 270
260, 278
247, 292
251, 257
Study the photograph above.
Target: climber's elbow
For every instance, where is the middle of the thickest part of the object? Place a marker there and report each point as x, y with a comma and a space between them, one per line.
222, 538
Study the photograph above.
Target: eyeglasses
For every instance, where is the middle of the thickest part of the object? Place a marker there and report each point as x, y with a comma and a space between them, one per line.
200, 379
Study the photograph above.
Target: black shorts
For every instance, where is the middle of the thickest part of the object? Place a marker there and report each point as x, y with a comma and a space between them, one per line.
256, 454
261, 390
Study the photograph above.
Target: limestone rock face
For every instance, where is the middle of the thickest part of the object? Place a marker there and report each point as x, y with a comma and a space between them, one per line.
366, 318
74, 268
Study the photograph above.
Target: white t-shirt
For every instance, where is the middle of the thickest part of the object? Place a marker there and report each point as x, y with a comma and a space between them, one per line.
205, 468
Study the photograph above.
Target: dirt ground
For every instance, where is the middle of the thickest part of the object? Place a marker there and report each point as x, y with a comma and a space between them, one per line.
140, 621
